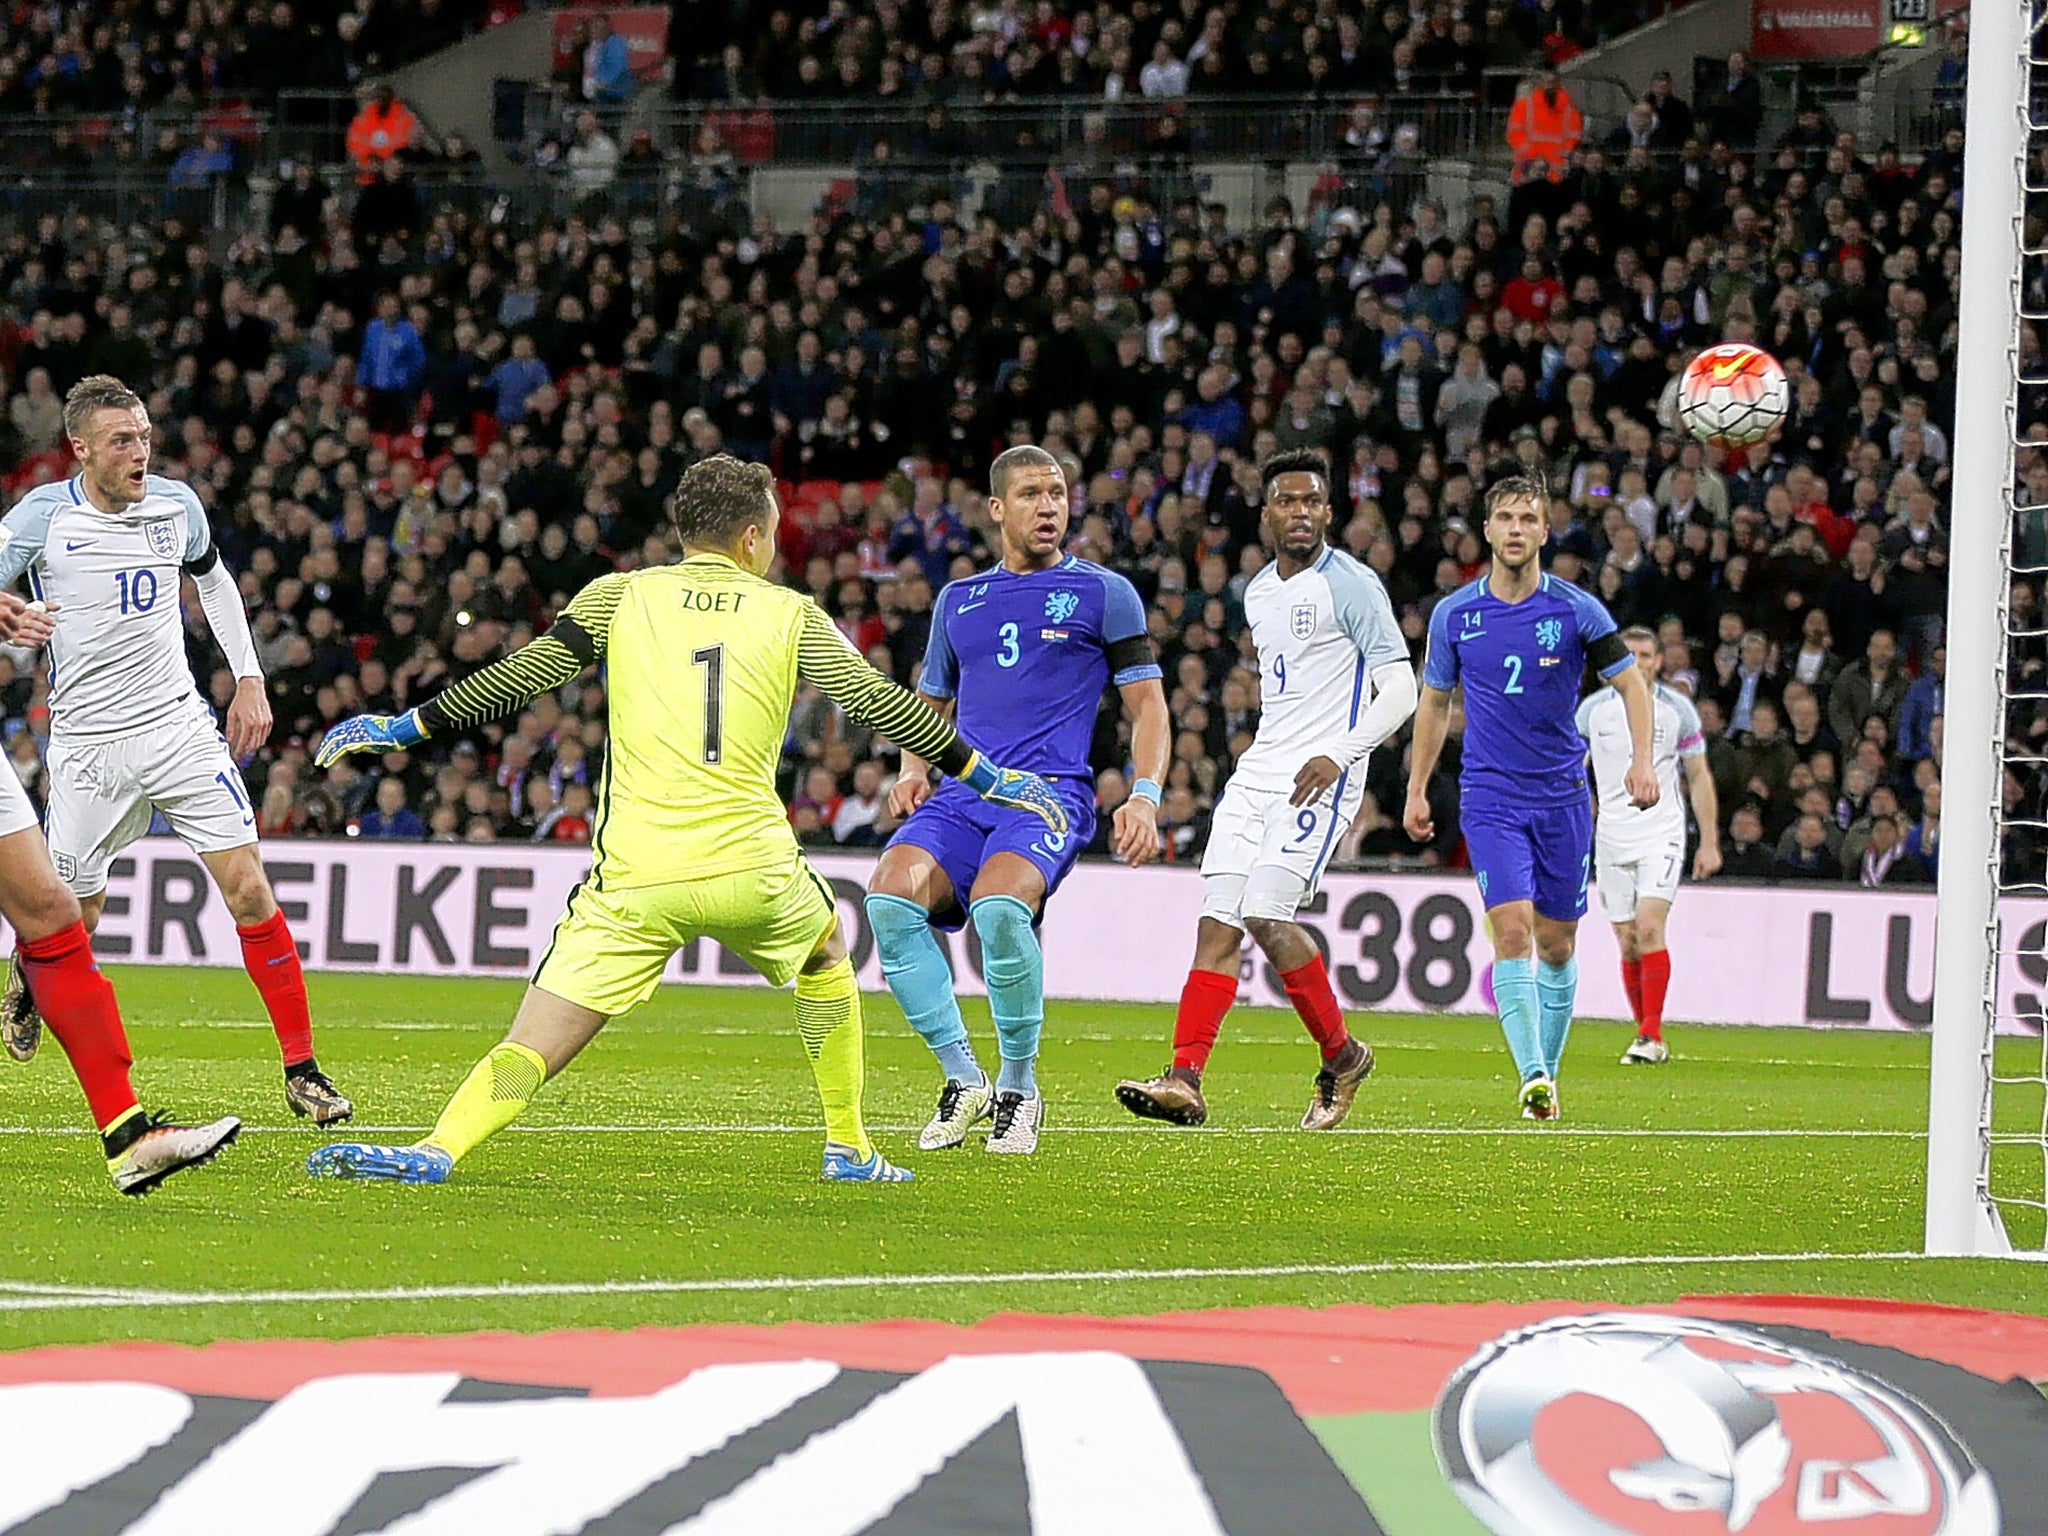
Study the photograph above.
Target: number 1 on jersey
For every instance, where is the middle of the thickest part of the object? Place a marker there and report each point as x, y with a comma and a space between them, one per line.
712, 659
1514, 666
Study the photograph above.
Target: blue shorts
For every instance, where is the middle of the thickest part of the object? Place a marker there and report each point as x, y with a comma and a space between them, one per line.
962, 831
1538, 853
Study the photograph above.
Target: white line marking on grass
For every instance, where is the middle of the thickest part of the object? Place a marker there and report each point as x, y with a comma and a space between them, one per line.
391, 1024
1419, 1132
153, 1300
1289, 1039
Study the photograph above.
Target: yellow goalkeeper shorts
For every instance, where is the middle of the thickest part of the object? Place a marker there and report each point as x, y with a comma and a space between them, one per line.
611, 946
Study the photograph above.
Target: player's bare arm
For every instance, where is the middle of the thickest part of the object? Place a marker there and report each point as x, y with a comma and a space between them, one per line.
914, 778
249, 717
1706, 810
1634, 689
1432, 725
1134, 830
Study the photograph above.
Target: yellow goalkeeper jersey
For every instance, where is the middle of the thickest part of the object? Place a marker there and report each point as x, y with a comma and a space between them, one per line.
702, 661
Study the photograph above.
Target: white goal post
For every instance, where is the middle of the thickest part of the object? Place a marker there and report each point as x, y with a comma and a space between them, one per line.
1962, 1216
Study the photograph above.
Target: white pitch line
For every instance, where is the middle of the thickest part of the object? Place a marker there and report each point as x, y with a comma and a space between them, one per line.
153, 1300
1420, 1132
1289, 1039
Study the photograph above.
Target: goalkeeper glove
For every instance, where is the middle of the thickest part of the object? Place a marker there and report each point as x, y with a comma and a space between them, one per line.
370, 733
1018, 791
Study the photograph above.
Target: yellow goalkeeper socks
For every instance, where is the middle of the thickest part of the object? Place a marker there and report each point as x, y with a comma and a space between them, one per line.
828, 1018
490, 1099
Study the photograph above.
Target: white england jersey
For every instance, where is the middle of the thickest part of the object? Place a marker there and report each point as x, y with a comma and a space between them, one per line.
1320, 636
1603, 721
117, 660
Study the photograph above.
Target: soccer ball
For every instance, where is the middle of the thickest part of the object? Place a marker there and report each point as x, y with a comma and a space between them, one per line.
1733, 395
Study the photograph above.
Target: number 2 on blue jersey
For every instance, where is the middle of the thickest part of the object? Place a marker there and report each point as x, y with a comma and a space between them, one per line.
1007, 656
1514, 666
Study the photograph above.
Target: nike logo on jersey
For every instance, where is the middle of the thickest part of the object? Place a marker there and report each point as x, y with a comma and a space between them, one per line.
967, 607
72, 549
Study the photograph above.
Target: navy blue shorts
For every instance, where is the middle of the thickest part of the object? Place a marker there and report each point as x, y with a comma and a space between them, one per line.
961, 831
1539, 853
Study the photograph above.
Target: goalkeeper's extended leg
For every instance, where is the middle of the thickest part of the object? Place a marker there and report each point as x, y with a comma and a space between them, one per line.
544, 1038
828, 1019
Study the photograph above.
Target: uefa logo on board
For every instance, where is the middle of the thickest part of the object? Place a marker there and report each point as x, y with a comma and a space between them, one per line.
1627, 1425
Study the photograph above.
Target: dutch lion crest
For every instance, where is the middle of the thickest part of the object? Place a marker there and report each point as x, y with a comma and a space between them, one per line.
1549, 632
1061, 606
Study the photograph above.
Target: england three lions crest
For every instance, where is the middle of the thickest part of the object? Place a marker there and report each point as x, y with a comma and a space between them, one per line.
166, 538
1301, 621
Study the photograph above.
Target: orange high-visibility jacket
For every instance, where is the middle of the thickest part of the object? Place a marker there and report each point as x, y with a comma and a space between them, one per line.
378, 133
1543, 130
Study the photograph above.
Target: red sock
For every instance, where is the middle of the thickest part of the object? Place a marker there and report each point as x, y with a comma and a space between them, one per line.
1204, 998
272, 959
77, 1002
1632, 983
1656, 979
1308, 988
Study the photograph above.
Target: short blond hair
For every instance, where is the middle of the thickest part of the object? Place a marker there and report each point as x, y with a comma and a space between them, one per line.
96, 392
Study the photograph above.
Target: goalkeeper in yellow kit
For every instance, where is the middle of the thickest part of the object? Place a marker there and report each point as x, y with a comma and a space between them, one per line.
702, 660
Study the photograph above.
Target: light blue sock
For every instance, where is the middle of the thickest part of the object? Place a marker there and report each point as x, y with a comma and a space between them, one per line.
1014, 967
1521, 1014
921, 978
1558, 986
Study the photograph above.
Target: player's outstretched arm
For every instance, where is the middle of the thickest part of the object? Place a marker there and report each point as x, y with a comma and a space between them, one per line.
576, 641
826, 658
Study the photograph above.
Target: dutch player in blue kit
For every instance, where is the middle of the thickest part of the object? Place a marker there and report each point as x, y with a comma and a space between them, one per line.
1024, 651
1519, 641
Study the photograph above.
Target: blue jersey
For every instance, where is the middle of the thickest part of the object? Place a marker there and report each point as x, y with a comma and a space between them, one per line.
1028, 656
1521, 664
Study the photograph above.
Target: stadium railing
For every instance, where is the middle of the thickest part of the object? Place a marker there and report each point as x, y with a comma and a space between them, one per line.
1064, 127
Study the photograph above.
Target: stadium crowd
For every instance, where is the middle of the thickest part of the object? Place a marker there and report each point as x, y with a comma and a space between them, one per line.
418, 431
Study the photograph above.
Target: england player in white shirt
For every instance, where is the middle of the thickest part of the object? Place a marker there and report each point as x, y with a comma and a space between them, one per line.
1638, 854
130, 735
1334, 682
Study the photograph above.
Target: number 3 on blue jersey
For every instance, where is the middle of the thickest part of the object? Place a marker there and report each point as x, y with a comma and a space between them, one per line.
1514, 666
1007, 656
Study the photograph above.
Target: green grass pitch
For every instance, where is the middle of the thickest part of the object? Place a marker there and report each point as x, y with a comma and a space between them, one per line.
701, 1171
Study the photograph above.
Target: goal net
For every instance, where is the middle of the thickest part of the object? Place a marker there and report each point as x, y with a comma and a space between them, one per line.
1987, 1164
